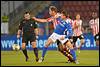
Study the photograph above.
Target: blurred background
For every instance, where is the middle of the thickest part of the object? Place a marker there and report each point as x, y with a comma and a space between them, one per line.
12, 13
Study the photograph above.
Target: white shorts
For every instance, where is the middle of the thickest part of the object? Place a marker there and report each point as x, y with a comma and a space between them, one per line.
56, 37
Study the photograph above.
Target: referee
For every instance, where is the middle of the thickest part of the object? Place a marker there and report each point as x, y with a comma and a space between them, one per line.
28, 28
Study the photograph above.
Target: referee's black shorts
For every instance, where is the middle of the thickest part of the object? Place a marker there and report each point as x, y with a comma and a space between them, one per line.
28, 37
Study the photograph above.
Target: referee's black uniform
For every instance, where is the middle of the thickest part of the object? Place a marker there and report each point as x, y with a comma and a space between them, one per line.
28, 29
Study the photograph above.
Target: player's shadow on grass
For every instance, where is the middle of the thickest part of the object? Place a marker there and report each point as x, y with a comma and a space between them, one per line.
58, 62
61, 62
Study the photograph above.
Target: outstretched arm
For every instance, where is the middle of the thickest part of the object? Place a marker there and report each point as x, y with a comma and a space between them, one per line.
40, 20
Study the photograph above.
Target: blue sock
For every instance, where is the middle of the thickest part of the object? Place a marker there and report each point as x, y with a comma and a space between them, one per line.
72, 51
44, 51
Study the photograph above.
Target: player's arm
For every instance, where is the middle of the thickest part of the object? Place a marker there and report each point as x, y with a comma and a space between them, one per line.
19, 30
18, 33
40, 20
77, 25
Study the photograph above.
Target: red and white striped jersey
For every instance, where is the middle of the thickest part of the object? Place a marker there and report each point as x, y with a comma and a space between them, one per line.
94, 24
70, 20
77, 31
54, 20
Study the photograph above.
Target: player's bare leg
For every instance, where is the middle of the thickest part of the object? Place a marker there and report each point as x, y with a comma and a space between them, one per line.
35, 50
81, 43
25, 51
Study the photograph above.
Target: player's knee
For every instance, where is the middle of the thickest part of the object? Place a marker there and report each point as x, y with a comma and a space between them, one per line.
47, 44
82, 41
33, 44
23, 46
49, 41
69, 45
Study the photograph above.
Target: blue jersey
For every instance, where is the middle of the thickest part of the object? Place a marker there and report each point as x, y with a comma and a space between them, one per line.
64, 28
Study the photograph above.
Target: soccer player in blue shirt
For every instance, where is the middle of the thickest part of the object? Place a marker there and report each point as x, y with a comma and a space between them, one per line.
54, 15
59, 34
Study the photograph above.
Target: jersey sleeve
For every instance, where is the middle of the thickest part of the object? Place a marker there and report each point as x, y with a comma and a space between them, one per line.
90, 23
49, 19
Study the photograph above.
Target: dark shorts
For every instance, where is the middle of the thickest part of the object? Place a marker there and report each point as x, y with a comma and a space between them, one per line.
76, 37
59, 43
96, 37
28, 37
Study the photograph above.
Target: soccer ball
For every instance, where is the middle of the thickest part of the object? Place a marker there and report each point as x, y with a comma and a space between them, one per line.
15, 47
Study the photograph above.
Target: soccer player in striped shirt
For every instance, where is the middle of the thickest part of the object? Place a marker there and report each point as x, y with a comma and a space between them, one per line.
77, 31
94, 24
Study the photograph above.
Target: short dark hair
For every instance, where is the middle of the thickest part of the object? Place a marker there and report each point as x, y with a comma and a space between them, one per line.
64, 12
53, 8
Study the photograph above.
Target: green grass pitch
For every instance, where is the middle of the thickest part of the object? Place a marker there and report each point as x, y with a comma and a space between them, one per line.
52, 58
